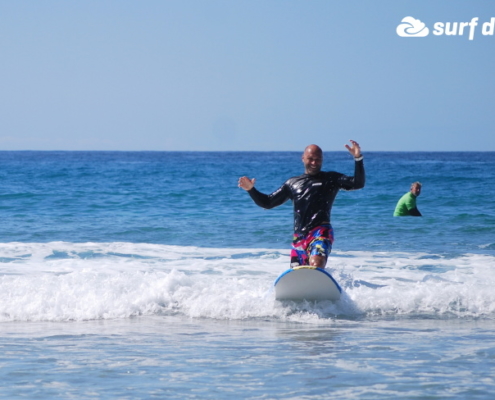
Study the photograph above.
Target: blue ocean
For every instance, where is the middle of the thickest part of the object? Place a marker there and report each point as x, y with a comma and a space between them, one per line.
149, 275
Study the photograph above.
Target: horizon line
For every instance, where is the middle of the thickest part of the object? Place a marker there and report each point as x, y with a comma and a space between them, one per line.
246, 151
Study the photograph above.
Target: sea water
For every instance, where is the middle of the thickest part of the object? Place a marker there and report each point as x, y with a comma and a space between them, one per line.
139, 275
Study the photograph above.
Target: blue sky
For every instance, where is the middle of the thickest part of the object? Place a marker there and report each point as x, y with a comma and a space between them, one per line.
244, 75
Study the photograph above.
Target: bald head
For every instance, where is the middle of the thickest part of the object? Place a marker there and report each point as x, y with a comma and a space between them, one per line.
313, 149
312, 159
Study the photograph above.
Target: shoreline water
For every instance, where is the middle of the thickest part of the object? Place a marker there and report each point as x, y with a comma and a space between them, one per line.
156, 357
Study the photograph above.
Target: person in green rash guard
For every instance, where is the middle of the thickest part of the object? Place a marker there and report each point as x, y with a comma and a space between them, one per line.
407, 203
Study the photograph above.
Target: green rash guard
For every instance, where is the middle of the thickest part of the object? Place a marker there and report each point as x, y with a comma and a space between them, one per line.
406, 205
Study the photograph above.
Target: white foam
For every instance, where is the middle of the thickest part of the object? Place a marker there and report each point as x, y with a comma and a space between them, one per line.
82, 281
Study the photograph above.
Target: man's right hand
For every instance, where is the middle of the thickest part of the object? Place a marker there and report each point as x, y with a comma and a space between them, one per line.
246, 183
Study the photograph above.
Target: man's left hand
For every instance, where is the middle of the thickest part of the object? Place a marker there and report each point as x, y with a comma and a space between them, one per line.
355, 150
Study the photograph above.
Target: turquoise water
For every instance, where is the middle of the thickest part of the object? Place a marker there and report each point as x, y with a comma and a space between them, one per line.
149, 275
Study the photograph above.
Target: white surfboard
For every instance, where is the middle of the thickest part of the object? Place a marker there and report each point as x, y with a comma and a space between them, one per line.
306, 283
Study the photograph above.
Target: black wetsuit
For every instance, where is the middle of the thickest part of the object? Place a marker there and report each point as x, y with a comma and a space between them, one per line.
312, 196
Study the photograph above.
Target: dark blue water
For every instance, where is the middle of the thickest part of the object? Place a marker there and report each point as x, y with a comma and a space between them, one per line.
192, 198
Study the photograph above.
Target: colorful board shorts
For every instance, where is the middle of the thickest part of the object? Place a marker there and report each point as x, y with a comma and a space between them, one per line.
317, 242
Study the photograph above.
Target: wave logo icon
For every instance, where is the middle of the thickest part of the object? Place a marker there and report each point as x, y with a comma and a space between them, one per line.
412, 27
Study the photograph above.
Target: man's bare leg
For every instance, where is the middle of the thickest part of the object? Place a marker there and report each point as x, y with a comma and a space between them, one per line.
318, 261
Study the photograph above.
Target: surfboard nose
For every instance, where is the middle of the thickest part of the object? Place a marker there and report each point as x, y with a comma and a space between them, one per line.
306, 283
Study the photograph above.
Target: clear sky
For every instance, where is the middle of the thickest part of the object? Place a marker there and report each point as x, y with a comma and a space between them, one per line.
245, 75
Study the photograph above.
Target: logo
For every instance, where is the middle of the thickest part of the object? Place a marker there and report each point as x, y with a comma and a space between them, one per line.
411, 27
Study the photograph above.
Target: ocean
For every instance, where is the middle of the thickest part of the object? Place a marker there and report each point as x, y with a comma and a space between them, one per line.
143, 275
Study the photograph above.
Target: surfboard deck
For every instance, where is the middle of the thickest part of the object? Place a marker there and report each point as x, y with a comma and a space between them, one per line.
306, 283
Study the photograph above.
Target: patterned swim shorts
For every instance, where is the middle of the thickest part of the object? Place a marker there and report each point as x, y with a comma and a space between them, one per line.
317, 242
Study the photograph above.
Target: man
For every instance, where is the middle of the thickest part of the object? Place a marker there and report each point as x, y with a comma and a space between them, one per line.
312, 195
407, 203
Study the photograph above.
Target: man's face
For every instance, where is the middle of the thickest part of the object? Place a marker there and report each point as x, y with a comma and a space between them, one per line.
312, 161
416, 190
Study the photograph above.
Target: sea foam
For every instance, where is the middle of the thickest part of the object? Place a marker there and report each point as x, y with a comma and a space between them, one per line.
62, 281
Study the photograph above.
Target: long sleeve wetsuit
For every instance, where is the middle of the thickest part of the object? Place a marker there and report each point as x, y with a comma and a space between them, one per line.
312, 196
